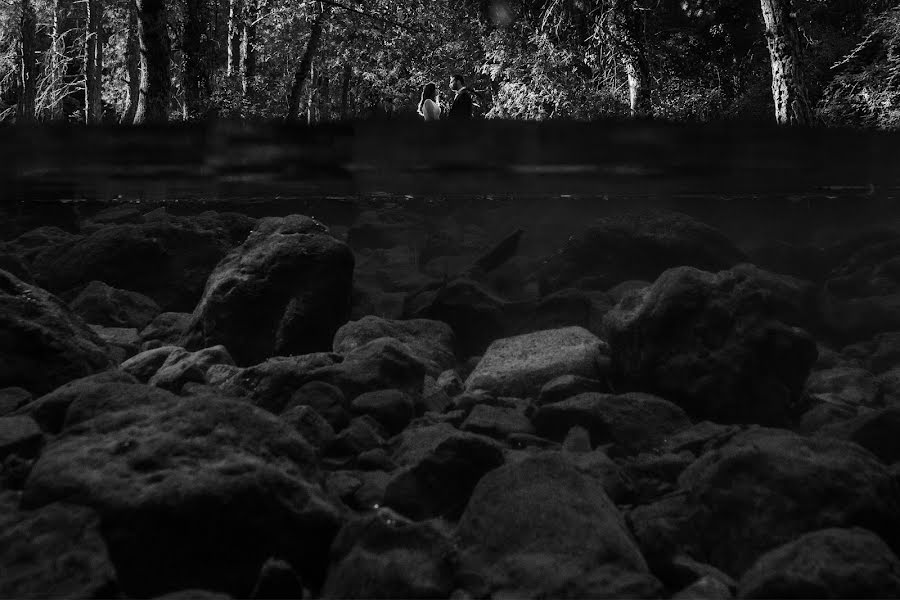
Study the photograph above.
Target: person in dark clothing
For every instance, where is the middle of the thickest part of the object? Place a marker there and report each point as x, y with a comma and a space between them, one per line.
461, 107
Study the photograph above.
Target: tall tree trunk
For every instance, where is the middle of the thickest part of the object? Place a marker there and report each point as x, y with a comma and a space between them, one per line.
28, 64
303, 70
132, 64
156, 86
93, 63
638, 72
235, 27
626, 32
345, 90
248, 46
788, 86
57, 52
311, 94
196, 59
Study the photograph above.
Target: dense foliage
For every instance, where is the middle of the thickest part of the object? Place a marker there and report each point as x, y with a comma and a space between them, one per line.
525, 59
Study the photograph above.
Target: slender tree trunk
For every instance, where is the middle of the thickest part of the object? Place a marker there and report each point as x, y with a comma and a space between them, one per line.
303, 70
310, 94
28, 64
788, 86
625, 28
248, 47
324, 98
156, 85
638, 72
345, 90
93, 63
57, 52
235, 27
132, 63
196, 58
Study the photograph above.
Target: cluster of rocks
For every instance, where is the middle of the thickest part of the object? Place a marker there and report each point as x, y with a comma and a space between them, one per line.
222, 406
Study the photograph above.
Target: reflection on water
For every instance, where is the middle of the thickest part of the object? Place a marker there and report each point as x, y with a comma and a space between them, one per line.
230, 161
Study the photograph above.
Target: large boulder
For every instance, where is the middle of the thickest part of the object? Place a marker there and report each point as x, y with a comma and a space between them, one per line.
520, 366
56, 551
169, 261
877, 431
105, 305
540, 528
764, 488
830, 563
432, 341
197, 493
862, 297
652, 241
710, 343
33, 242
384, 363
285, 291
383, 555
50, 410
439, 467
476, 315
43, 343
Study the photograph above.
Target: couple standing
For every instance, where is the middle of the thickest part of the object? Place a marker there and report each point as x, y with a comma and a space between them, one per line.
460, 108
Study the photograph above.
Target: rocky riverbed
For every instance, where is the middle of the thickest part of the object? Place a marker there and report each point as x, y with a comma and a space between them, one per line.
408, 405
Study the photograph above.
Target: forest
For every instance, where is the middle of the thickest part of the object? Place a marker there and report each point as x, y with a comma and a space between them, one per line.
799, 62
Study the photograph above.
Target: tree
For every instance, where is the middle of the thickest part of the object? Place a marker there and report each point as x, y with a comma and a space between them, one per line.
624, 25
156, 85
195, 45
788, 86
93, 62
235, 27
28, 64
57, 56
303, 70
248, 46
132, 63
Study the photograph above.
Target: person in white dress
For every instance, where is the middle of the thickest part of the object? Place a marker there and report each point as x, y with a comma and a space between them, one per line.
428, 105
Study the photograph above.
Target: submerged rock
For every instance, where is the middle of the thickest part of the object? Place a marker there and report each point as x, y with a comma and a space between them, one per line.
652, 241
632, 422
439, 467
195, 494
476, 315
709, 343
44, 344
167, 328
762, 489
830, 563
104, 305
383, 555
57, 551
430, 341
862, 297
181, 367
169, 261
877, 431
520, 366
540, 528
285, 291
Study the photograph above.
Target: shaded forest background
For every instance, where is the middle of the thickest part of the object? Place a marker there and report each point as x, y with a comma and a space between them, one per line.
134, 61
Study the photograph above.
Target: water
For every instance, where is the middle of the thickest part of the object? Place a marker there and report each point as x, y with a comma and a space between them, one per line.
769, 181
498, 230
